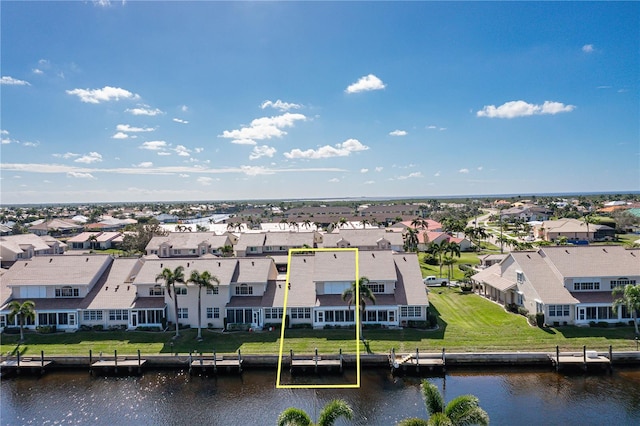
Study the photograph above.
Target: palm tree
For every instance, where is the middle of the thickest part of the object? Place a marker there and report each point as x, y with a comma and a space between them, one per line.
411, 240
439, 250
283, 222
170, 279
227, 250
418, 222
205, 280
364, 222
463, 410
24, 311
628, 296
365, 294
342, 222
328, 416
306, 224
93, 239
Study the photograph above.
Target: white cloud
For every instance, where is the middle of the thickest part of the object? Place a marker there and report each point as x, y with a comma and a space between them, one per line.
10, 81
144, 110
198, 150
398, 133
255, 170
184, 108
432, 127
514, 109
144, 164
204, 180
379, 169
182, 151
262, 128
92, 157
411, 176
120, 135
370, 182
365, 84
4, 132
334, 180
183, 175
442, 128
80, 175
480, 168
66, 155
37, 71
262, 151
127, 128
154, 145
164, 153
282, 106
181, 121
105, 94
343, 149
31, 144
364, 170
437, 174
588, 48
463, 171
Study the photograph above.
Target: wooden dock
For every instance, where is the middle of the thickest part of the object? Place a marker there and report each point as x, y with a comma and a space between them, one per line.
583, 360
415, 361
20, 364
117, 364
316, 363
214, 363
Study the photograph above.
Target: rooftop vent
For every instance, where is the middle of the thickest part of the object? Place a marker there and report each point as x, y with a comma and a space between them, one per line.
50, 260
605, 250
567, 251
187, 264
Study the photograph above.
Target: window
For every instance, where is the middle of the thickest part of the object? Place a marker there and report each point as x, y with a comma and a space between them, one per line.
181, 291
156, 290
273, 313
410, 311
118, 315
592, 313
621, 282
558, 310
183, 313
67, 291
519, 277
300, 313
209, 313
376, 288
92, 315
244, 290
216, 312
586, 286
47, 319
213, 290
605, 312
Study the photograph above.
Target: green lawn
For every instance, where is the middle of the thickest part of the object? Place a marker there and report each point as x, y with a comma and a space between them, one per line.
467, 323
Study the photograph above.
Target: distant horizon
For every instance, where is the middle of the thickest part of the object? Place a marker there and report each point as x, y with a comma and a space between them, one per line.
132, 100
342, 199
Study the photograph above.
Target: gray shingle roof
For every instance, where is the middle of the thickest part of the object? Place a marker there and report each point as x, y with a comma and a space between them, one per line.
57, 270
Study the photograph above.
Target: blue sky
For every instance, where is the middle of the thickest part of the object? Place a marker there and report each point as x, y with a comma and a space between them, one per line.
130, 101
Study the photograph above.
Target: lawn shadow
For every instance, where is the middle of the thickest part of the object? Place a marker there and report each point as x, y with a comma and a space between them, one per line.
572, 332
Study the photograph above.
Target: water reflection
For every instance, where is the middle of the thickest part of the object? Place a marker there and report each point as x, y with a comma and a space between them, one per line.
168, 397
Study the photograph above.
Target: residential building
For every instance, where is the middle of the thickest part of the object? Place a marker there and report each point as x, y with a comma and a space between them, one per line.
187, 244
26, 246
573, 230
569, 284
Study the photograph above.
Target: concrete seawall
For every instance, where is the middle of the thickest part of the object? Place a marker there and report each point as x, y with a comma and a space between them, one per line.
453, 359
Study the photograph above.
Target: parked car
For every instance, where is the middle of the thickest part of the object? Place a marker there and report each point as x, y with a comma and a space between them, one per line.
433, 281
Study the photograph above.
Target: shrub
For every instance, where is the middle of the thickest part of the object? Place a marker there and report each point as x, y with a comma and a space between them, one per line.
85, 327
46, 329
592, 324
540, 319
432, 320
466, 287
512, 307
372, 326
418, 324
532, 319
97, 327
603, 324
238, 327
12, 330
523, 311
302, 325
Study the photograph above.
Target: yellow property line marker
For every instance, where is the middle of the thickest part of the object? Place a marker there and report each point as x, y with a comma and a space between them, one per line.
279, 385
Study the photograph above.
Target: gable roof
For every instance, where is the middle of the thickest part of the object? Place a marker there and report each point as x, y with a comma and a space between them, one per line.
594, 261
57, 270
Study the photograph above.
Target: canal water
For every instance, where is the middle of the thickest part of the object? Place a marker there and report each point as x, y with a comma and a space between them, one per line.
511, 397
